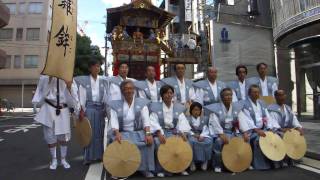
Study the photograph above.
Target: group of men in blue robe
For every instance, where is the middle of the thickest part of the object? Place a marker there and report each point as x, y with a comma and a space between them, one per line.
206, 114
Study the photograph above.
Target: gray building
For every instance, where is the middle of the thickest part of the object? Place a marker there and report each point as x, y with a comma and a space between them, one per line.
296, 25
183, 35
25, 41
240, 32
4, 20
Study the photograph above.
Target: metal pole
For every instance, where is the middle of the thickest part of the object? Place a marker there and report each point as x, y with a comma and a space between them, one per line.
106, 48
22, 95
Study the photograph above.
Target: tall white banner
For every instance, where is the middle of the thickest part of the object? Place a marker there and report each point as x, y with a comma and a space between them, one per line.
188, 10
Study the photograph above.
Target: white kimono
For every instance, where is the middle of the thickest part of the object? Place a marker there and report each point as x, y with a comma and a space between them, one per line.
215, 126
277, 119
47, 115
182, 124
258, 115
129, 117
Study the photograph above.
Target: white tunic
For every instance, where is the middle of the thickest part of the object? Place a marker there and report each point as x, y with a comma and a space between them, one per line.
278, 119
202, 95
242, 89
47, 114
95, 88
182, 124
264, 87
196, 122
129, 117
153, 91
41, 89
215, 126
258, 115
182, 87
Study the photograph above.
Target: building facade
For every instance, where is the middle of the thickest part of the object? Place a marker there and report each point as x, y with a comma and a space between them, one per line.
4, 20
25, 41
240, 32
184, 34
296, 32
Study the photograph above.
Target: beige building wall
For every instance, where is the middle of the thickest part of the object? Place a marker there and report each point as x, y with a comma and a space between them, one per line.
12, 79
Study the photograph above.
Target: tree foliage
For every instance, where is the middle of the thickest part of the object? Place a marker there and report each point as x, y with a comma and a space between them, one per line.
84, 52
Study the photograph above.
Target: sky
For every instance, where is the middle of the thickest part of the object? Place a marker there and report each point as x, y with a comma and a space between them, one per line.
94, 11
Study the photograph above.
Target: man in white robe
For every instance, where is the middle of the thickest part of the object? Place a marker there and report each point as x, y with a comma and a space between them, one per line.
54, 116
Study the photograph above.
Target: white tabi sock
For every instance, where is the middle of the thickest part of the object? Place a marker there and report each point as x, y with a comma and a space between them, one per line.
53, 152
63, 151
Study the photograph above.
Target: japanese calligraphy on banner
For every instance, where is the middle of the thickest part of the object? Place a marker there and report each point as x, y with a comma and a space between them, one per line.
62, 45
188, 10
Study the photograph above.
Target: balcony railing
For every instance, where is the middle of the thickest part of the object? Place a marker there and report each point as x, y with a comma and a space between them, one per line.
290, 14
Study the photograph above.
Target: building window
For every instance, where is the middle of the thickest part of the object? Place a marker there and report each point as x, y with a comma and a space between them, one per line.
33, 34
31, 61
35, 8
5, 63
17, 62
6, 34
19, 34
12, 7
22, 8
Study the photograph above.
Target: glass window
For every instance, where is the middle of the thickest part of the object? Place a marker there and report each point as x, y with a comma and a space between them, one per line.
5, 63
6, 34
12, 7
31, 61
22, 8
17, 62
35, 8
8, 62
19, 34
33, 34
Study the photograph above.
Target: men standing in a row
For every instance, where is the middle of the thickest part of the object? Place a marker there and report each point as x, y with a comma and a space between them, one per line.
93, 91
239, 86
267, 84
183, 87
208, 90
149, 88
56, 97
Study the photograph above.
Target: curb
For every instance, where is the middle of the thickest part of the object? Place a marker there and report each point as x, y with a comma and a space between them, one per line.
313, 155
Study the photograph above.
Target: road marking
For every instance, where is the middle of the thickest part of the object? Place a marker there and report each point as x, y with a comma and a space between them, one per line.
46, 166
308, 168
94, 172
23, 128
1, 140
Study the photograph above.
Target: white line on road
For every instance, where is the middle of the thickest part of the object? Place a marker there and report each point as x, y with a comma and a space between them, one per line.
1, 140
94, 172
308, 168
